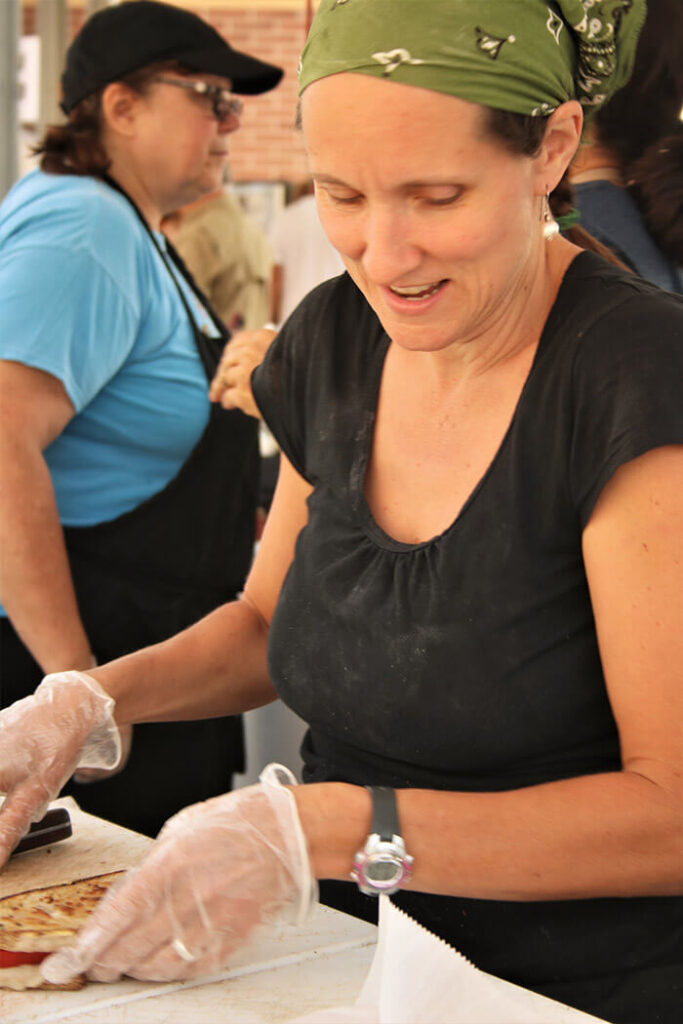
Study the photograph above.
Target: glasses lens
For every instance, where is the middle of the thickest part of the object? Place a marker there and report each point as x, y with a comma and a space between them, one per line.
225, 105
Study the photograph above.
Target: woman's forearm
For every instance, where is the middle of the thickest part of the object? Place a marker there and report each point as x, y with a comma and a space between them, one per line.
215, 667
36, 589
610, 835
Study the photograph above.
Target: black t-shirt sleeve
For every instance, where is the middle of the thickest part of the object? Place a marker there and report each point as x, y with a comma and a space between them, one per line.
319, 376
280, 383
627, 391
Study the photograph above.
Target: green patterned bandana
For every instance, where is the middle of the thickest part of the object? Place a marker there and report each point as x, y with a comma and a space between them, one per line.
526, 56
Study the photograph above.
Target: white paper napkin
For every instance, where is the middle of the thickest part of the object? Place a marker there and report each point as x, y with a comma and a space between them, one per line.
416, 978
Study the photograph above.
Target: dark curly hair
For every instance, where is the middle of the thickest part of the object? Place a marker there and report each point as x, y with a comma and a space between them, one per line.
656, 183
641, 126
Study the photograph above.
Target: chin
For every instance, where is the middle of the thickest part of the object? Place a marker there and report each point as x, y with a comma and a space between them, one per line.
418, 335
199, 189
431, 331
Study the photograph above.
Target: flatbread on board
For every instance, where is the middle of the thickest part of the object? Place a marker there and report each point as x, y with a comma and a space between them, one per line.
44, 920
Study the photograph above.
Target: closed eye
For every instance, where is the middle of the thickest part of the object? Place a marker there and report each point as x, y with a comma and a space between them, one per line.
343, 198
444, 201
439, 196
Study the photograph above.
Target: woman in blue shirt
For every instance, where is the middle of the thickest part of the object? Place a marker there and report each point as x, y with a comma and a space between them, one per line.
128, 499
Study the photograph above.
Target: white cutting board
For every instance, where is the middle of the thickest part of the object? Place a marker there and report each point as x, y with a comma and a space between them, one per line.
95, 848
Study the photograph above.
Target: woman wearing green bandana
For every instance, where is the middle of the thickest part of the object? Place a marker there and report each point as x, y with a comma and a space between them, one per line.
469, 583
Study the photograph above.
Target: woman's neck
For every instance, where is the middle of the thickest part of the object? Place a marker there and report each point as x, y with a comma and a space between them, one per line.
595, 162
139, 196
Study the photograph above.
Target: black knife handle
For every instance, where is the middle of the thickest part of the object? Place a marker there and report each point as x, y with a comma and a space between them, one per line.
54, 826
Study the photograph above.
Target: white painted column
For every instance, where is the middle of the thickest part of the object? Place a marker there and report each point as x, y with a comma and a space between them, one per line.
9, 93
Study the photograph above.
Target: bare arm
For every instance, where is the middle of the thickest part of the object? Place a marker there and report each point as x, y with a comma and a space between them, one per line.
225, 653
36, 589
614, 834
216, 667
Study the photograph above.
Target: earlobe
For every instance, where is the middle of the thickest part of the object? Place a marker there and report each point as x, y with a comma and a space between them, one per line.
561, 140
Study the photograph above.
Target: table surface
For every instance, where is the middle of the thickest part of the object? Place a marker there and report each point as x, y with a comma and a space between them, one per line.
289, 973
286, 973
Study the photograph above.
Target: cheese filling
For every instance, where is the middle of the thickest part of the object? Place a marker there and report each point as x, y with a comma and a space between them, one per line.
22, 977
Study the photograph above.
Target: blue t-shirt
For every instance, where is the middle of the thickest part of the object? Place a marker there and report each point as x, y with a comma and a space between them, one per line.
85, 296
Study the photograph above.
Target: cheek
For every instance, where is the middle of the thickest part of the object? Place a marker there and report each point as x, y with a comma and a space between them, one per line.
199, 145
191, 139
489, 234
343, 231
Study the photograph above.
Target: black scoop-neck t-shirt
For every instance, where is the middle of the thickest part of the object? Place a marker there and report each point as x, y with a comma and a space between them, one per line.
470, 662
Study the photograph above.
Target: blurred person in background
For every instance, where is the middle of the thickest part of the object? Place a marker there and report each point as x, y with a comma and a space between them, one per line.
627, 175
230, 260
128, 500
302, 253
303, 258
228, 256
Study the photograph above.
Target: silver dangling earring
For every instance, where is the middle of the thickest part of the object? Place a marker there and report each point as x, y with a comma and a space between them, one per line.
550, 225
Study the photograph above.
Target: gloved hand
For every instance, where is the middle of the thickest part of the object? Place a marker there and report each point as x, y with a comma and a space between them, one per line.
87, 775
217, 870
67, 723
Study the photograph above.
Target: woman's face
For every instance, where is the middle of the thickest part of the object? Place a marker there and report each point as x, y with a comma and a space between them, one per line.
180, 148
437, 223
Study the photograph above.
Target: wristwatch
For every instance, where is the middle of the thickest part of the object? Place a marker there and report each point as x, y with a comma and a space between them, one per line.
383, 865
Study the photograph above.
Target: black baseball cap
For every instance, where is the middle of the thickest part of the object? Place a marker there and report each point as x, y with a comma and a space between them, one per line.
118, 40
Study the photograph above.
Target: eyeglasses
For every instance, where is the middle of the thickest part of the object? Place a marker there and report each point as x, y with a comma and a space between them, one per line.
223, 104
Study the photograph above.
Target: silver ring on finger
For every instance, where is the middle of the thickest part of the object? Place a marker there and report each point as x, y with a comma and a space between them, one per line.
179, 947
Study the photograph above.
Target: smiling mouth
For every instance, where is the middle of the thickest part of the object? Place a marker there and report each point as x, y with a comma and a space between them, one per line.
414, 293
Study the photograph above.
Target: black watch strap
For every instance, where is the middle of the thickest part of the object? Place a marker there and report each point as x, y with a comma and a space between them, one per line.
384, 812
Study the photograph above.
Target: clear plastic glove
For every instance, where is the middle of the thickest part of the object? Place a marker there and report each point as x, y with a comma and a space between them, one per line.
87, 775
217, 871
67, 723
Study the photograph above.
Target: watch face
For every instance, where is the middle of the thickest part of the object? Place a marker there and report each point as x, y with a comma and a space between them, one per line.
383, 870
381, 866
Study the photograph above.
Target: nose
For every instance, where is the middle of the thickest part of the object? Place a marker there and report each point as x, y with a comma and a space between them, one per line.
389, 251
229, 121
227, 110
226, 125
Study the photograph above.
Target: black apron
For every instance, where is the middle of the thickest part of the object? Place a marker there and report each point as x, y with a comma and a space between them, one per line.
153, 571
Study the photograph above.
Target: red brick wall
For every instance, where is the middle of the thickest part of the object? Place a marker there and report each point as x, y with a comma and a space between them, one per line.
267, 147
